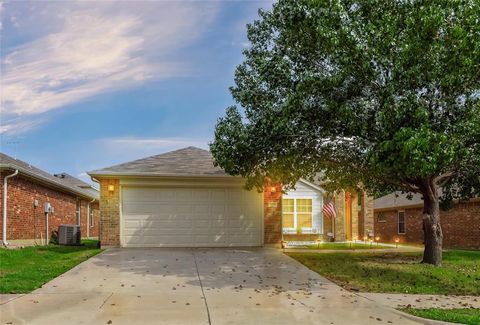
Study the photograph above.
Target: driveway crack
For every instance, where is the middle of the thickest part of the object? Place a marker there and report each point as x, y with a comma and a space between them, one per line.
111, 294
201, 286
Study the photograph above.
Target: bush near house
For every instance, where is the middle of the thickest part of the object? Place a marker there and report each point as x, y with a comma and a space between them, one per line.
26, 269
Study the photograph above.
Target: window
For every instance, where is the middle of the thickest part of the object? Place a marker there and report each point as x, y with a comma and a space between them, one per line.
304, 213
297, 213
401, 222
288, 213
381, 217
77, 212
90, 217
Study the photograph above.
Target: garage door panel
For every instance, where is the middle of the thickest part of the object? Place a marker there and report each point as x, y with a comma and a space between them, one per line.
218, 195
191, 217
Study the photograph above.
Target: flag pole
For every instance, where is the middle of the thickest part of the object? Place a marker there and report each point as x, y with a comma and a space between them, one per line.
333, 218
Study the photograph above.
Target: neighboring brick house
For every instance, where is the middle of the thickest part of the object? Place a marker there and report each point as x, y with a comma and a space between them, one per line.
397, 217
73, 202
180, 199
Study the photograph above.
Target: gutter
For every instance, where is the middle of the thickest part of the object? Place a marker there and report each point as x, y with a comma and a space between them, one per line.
5, 191
88, 217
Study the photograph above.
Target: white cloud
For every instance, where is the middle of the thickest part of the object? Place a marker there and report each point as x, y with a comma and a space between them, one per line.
95, 49
16, 126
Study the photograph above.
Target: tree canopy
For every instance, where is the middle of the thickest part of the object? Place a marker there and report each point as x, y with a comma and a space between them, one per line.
383, 93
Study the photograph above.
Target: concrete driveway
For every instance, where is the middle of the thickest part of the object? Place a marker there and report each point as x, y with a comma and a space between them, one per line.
194, 286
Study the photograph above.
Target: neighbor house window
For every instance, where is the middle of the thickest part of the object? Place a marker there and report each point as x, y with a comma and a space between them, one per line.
297, 213
401, 222
90, 218
77, 212
381, 217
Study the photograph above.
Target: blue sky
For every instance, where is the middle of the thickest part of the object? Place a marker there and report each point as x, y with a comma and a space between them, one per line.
87, 85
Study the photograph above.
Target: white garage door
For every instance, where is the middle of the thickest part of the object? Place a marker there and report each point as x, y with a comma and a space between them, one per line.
191, 217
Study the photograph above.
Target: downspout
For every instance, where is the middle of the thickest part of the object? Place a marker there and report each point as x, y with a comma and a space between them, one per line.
88, 217
99, 221
5, 189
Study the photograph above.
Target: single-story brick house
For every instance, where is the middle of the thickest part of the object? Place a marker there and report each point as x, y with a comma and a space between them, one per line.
180, 199
28, 189
397, 217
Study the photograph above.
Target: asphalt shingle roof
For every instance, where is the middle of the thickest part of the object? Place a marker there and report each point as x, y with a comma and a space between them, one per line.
190, 161
397, 200
67, 183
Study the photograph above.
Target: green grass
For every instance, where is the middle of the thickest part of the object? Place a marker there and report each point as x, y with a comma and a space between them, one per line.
462, 316
398, 272
344, 246
23, 270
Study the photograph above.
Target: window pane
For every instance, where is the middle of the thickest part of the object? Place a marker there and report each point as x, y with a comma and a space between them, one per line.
304, 205
287, 220
304, 220
401, 217
287, 205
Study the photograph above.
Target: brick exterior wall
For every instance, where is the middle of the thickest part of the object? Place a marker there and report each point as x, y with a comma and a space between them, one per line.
109, 213
368, 215
272, 214
26, 223
460, 226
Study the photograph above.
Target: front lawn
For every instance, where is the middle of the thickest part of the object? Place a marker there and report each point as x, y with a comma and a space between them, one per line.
398, 272
26, 269
466, 316
344, 246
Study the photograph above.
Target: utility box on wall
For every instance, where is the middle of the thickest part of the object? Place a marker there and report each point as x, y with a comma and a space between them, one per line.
69, 235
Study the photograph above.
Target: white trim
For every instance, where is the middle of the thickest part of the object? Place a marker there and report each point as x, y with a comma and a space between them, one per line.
318, 188
120, 212
295, 221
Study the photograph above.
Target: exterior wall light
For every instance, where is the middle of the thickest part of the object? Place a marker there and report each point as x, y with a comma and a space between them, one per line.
273, 189
111, 188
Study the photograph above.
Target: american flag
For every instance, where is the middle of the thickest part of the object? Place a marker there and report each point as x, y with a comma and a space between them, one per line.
329, 210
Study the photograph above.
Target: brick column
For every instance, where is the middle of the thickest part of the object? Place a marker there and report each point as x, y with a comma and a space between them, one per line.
340, 218
368, 214
272, 214
109, 213
355, 216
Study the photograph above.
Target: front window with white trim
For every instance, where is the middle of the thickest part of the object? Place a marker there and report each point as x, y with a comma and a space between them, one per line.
297, 215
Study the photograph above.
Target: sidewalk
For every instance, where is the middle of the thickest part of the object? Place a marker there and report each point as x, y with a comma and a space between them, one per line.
400, 300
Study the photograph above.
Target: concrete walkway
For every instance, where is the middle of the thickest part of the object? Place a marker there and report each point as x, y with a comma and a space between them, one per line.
399, 300
195, 286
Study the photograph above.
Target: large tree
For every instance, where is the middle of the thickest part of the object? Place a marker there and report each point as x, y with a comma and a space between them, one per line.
383, 93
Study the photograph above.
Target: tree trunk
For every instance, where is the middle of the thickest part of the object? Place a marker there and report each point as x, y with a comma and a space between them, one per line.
431, 225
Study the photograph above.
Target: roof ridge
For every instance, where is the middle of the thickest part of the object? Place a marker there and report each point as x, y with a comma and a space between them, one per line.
188, 161
154, 156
